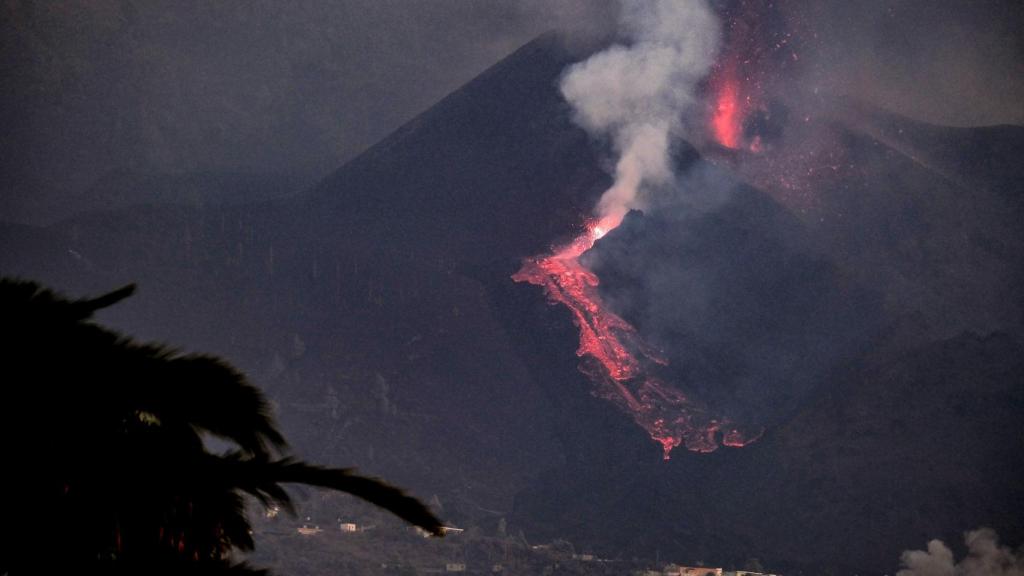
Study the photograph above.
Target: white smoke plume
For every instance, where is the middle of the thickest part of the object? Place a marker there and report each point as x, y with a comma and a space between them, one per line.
985, 557
638, 94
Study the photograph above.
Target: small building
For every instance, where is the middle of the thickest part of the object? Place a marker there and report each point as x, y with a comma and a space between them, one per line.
309, 530
349, 527
675, 570
455, 567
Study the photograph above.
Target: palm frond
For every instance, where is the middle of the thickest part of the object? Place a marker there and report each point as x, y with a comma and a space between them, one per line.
261, 478
123, 452
86, 307
210, 395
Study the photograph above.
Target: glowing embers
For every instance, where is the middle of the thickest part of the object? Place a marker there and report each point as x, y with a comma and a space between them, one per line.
737, 116
729, 112
758, 48
616, 359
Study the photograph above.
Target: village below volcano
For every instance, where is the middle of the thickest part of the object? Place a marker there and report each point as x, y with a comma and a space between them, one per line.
380, 546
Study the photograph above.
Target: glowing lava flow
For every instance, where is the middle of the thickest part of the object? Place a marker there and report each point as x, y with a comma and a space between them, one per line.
616, 358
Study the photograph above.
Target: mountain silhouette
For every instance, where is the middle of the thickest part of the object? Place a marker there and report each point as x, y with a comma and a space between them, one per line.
869, 320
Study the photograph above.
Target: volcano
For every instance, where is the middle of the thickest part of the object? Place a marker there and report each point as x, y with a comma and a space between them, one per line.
854, 288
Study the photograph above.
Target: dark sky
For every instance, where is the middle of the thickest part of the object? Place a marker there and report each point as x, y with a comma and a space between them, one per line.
87, 87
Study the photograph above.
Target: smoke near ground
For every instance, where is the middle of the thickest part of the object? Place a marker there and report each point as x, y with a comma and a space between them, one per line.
985, 557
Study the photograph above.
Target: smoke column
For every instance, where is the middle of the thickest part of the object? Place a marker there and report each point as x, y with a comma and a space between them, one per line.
637, 95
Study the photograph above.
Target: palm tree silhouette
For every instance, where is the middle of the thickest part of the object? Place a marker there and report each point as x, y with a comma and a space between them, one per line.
106, 465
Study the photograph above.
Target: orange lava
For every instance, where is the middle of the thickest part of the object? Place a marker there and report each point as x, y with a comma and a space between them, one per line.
727, 118
616, 358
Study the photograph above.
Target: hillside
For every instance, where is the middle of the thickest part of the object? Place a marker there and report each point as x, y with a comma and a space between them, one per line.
869, 320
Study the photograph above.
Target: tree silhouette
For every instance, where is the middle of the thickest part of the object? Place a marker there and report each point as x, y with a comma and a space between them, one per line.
106, 468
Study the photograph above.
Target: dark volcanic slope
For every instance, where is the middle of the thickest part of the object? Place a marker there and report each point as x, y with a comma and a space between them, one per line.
871, 316
359, 305
377, 311
492, 172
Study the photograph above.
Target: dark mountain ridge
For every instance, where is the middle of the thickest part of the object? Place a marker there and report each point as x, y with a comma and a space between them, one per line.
879, 330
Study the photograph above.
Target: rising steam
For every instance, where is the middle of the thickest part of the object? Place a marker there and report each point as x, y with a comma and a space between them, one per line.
637, 95
985, 557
